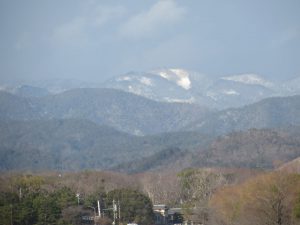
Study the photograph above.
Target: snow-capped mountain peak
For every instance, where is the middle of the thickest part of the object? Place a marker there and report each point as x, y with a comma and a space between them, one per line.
185, 86
230, 92
146, 81
124, 78
179, 76
249, 79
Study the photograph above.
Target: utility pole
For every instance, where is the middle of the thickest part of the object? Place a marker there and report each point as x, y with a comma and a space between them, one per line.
11, 214
99, 209
119, 213
20, 193
78, 196
115, 211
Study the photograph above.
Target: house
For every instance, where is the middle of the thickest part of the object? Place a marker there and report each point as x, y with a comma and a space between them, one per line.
161, 214
175, 216
167, 216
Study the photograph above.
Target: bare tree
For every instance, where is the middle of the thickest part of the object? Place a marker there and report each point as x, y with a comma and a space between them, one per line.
267, 199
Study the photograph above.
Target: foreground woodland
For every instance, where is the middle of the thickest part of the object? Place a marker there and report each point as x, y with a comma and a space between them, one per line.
207, 196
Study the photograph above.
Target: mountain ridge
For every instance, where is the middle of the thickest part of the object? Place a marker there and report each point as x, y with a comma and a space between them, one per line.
268, 113
176, 84
123, 111
254, 148
74, 144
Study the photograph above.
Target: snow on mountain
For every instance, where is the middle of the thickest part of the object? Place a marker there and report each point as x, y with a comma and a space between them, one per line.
6, 88
179, 85
56, 86
124, 78
146, 81
174, 100
291, 87
179, 76
168, 85
249, 79
230, 92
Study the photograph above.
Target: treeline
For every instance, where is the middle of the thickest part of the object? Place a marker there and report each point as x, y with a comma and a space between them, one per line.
207, 196
34, 200
28, 203
272, 198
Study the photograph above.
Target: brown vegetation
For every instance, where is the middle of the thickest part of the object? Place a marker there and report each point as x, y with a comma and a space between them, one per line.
266, 199
209, 196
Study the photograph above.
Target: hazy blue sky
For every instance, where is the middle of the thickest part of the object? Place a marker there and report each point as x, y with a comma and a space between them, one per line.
94, 40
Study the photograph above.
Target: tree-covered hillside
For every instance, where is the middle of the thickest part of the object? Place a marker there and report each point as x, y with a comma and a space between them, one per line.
123, 111
268, 113
80, 144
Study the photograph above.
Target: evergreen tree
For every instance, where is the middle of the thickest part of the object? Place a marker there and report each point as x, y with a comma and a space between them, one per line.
134, 206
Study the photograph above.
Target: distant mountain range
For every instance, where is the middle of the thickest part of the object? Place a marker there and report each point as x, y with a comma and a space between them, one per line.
121, 110
162, 119
176, 85
140, 116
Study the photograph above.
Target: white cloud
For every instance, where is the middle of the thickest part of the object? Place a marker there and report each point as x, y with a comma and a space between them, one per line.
286, 37
70, 31
23, 41
161, 15
105, 14
81, 28
177, 50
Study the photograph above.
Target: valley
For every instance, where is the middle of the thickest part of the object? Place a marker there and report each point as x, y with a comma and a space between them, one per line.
166, 147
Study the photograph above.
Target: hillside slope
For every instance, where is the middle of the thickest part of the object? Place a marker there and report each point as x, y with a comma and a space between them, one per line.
180, 85
123, 111
74, 144
255, 148
268, 113
291, 166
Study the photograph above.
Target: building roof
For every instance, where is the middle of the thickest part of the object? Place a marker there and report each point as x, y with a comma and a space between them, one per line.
174, 210
160, 207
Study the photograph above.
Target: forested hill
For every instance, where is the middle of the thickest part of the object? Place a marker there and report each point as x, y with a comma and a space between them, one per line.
93, 128
121, 110
140, 116
75, 144
268, 113
254, 148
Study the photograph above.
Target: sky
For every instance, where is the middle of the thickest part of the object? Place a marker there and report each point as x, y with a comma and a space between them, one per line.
92, 40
